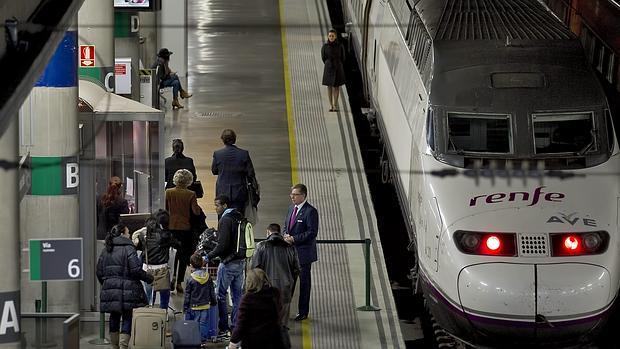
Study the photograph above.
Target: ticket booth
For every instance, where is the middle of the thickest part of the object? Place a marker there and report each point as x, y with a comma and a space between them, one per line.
118, 137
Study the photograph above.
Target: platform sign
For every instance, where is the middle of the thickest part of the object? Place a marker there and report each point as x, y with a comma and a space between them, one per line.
56, 259
87, 55
10, 317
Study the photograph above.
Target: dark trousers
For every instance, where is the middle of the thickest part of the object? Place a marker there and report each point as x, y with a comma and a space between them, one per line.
305, 284
115, 321
184, 253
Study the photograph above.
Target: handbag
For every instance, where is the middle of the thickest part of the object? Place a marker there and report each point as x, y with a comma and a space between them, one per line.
161, 276
196, 187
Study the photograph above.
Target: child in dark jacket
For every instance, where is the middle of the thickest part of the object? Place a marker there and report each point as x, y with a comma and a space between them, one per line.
199, 295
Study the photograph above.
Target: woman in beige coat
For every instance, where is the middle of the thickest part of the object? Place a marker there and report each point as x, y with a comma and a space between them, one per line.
179, 202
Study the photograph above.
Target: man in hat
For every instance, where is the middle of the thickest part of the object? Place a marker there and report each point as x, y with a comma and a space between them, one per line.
168, 78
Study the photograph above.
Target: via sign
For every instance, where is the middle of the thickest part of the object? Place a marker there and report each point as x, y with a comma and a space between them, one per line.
56, 259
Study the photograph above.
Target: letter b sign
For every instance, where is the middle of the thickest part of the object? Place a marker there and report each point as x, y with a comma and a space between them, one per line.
71, 174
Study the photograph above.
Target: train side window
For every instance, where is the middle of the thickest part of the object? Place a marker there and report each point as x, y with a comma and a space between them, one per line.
610, 130
612, 65
430, 130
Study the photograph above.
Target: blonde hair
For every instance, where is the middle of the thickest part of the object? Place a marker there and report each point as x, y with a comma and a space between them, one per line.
183, 178
256, 280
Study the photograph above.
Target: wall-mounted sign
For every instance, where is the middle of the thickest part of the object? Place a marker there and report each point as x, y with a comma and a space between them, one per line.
56, 259
122, 76
132, 3
87, 55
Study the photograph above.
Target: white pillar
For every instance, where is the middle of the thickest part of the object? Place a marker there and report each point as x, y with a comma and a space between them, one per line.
10, 336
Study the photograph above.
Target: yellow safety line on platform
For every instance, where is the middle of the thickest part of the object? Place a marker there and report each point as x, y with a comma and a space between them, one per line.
306, 337
289, 99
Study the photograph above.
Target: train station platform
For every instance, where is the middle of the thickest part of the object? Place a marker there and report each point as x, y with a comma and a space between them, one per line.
255, 67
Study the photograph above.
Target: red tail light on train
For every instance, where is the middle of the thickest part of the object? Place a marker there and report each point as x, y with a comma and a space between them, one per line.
486, 244
578, 244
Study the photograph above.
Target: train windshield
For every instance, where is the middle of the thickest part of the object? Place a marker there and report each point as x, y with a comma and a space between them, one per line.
564, 133
479, 133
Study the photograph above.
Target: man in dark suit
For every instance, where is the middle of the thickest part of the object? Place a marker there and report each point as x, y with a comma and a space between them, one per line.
300, 229
234, 170
176, 162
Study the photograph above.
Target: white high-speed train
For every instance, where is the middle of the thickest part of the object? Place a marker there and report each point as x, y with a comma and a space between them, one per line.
521, 247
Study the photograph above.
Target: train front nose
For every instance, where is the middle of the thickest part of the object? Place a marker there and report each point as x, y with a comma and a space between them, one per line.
534, 302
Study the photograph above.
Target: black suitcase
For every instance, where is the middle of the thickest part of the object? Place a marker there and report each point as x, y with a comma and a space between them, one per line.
186, 335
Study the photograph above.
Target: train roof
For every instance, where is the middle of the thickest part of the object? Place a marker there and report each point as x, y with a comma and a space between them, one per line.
556, 72
490, 20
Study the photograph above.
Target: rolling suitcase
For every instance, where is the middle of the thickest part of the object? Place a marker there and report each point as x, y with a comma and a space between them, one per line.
213, 323
186, 335
148, 328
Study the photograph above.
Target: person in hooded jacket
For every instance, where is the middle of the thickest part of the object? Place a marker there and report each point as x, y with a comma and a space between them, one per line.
199, 296
279, 260
333, 56
258, 325
119, 272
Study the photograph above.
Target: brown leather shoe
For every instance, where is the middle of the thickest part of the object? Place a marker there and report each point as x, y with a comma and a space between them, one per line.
176, 104
184, 94
179, 288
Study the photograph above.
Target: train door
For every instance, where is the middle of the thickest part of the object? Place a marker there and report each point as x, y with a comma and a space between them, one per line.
375, 15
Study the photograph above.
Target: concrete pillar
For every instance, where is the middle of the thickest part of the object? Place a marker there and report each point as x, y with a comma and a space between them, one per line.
173, 35
96, 28
9, 256
127, 45
96, 20
148, 38
50, 208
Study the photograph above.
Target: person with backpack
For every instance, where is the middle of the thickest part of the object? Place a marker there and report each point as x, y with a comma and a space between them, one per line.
230, 272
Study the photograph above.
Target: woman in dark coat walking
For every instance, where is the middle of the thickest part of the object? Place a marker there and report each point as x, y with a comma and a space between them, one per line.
119, 272
258, 323
333, 56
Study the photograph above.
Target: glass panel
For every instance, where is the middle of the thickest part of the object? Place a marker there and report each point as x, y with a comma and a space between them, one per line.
563, 133
479, 133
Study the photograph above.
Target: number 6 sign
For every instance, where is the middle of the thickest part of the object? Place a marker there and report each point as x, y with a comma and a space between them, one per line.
56, 259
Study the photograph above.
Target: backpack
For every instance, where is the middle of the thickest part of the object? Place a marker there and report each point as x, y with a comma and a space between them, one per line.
245, 246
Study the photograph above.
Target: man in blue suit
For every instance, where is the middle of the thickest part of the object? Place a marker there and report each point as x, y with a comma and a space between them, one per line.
300, 229
234, 170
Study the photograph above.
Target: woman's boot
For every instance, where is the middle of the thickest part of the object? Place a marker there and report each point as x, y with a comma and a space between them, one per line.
123, 342
114, 340
176, 104
184, 94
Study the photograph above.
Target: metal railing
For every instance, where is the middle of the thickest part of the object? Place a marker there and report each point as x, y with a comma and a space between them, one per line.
70, 329
367, 242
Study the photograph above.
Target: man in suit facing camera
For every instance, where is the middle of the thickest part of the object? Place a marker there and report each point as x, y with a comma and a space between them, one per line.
300, 229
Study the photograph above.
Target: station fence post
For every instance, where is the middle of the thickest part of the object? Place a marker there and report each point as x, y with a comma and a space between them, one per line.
367, 306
